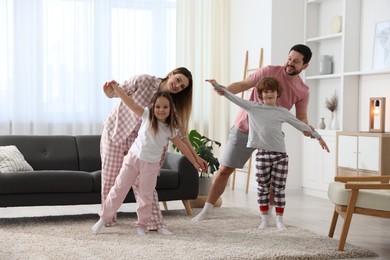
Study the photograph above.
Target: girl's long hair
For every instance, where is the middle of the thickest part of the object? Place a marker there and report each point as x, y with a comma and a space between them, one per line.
182, 100
171, 121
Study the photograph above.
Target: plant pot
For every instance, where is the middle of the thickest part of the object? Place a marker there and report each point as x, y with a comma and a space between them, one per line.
204, 187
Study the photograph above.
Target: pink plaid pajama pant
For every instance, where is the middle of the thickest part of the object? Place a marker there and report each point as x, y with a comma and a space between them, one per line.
112, 158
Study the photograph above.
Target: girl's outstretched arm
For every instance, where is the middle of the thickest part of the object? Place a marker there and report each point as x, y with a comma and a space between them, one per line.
186, 152
203, 164
128, 100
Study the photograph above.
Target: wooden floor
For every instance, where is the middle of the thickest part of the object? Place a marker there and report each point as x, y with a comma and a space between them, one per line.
301, 210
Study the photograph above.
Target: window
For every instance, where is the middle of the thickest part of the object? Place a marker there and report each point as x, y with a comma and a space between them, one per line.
57, 54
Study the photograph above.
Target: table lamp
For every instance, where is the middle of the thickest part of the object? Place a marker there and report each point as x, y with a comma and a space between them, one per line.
377, 114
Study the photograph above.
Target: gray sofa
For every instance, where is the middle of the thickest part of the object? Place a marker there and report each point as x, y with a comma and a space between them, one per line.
67, 172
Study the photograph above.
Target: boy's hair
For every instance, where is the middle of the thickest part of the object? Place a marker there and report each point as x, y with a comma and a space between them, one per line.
304, 50
268, 83
171, 121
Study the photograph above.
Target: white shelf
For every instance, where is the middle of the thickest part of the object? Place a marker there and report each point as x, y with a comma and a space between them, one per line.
327, 76
367, 73
346, 74
327, 132
326, 37
315, 1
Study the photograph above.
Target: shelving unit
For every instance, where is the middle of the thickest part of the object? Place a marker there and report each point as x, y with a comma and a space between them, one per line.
336, 42
319, 167
345, 48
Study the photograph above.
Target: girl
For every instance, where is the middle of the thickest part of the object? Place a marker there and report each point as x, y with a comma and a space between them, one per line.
121, 128
159, 125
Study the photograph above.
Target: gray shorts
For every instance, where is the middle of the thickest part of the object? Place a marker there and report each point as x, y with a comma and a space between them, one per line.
236, 154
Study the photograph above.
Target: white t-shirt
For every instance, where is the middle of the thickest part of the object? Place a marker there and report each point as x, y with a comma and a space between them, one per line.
148, 146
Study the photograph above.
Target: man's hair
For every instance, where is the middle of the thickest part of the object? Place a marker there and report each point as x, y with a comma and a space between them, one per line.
304, 50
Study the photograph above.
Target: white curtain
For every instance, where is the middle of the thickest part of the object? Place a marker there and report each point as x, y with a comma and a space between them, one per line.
57, 54
203, 36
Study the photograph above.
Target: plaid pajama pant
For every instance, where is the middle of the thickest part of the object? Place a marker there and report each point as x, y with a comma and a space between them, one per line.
112, 158
271, 172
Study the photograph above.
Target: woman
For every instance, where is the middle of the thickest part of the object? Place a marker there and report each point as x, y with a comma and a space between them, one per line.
158, 127
121, 128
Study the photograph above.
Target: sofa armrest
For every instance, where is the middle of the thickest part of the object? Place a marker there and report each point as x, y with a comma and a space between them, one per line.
188, 176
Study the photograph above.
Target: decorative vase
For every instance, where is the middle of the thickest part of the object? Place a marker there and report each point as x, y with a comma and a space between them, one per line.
322, 123
325, 65
335, 122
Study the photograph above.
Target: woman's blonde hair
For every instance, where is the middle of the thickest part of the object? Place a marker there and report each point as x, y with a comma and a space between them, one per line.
182, 99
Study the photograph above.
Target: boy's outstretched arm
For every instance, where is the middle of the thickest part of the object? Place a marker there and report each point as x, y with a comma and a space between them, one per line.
235, 87
213, 82
323, 144
128, 100
245, 104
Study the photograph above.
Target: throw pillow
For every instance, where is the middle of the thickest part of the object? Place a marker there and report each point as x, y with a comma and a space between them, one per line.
12, 160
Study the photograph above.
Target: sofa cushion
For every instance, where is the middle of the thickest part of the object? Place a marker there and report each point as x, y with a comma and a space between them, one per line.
168, 180
46, 182
97, 180
88, 147
367, 198
46, 152
11, 160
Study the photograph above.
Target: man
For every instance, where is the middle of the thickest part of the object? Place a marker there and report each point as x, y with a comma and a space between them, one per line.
296, 93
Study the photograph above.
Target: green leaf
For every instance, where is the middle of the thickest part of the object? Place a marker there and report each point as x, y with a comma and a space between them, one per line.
203, 146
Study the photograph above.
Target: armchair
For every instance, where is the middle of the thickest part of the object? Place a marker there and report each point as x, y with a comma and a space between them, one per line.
369, 195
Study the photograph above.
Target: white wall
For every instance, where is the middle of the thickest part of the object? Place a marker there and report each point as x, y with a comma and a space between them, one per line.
250, 30
275, 26
373, 11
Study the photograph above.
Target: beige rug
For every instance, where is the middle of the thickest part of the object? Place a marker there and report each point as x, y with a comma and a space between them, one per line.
229, 234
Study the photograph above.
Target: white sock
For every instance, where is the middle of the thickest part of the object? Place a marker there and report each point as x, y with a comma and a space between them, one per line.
98, 226
279, 222
204, 213
141, 231
264, 221
164, 231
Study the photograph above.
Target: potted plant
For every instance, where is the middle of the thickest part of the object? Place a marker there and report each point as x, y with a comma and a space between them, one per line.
203, 146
